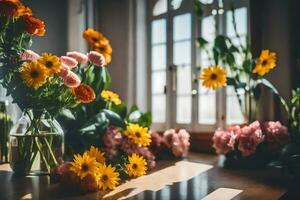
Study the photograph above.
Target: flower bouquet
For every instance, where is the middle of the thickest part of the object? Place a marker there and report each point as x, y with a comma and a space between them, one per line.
251, 146
42, 86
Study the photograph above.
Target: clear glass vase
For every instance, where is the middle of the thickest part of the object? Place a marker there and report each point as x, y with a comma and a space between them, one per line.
36, 144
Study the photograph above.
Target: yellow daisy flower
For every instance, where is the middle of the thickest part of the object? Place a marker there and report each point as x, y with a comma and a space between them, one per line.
265, 62
111, 97
84, 165
107, 177
213, 77
137, 166
51, 62
139, 135
94, 152
33, 74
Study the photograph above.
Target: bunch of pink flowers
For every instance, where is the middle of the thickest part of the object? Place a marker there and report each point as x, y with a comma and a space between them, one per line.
247, 138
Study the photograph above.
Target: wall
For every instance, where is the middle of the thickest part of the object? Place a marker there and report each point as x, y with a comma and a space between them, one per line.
113, 22
54, 14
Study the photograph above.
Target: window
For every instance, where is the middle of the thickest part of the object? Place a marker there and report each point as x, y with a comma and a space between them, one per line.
177, 98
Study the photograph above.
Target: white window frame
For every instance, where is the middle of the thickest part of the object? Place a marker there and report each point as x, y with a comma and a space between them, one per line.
188, 7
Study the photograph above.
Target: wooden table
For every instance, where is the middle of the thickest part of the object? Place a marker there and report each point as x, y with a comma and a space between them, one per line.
256, 184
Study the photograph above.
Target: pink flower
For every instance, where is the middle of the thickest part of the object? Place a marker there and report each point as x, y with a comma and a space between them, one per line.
68, 61
177, 141
29, 55
250, 137
112, 140
79, 57
223, 141
72, 80
64, 71
96, 58
276, 135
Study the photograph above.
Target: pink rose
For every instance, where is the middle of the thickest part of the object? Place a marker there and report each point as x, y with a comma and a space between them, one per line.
29, 55
223, 141
177, 141
250, 137
64, 71
68, 61
168, 137
96, 58
276, 135
72, 80
79, 57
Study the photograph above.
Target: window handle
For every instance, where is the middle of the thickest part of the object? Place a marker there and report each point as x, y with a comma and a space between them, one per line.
194, 92
173, 69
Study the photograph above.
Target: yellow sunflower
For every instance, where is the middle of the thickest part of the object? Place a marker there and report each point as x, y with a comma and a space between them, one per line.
111, 97
265, 62
139, 135
94, 152
84, 165
33, 74
137, 166
51, 62
107, 177
213, 77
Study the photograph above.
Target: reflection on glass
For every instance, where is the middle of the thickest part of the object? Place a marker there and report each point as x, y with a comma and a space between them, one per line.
182, 53
159, 108
234, 114
160, 7
158, 31
182, 27
158, 59
184, 109
158, 82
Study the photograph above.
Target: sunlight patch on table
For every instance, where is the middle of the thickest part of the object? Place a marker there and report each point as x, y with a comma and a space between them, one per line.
181, 171
223, 194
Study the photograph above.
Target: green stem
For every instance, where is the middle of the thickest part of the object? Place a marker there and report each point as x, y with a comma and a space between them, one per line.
42, 153
50, 151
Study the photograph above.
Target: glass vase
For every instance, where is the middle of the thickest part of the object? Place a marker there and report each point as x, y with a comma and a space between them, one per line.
36, 144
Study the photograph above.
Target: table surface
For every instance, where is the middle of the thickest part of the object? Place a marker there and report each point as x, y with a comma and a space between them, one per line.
255, 184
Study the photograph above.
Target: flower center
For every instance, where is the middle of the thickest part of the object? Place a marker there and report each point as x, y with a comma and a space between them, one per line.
265, 62
49, 64
34, 74
95, 39
84, 167
138, 134
104, 177
134, 166
213, 76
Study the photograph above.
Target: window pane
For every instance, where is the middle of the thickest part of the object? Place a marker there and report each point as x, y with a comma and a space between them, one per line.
176, 4
182, 27
159, 57
208, 28
184, 109
160, 7
159, 31
182, 53
234, 114
159, 108
207, 108
241, 22
184, 80
158, 82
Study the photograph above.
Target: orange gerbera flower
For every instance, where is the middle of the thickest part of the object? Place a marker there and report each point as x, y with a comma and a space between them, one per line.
8, 7
92, 36
34, 26
84, 93
98, 43
14, 8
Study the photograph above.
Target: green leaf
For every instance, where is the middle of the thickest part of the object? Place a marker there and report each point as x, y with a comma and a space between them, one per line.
220, 44
201, 42
133, 108
120, 109
114, 118
233, 49
68, 114
145, 120
198, 8
134, 116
